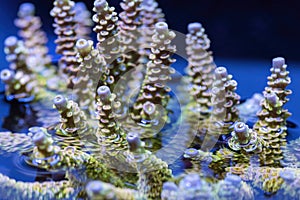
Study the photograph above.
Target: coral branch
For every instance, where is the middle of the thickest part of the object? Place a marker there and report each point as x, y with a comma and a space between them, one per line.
100, 190
150, 14
45, 153
12, 189
224, 101
291, 154
245, 139
193, 187
109, 132
65, 25
92, 63
34, 37
201, 66
279, 79
83, 20
16, 54
73, 128
154, 89
128, 31
15, 142
153, 172
106, 24
271, 126
108, 44
18, 85
92, 71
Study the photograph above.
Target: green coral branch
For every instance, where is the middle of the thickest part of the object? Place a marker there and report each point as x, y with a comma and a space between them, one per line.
152, 171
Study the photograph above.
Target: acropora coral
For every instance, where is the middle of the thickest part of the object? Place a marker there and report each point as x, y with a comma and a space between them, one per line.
201, 66
34, 37
84, 21
106, 123
154, 91
65, 25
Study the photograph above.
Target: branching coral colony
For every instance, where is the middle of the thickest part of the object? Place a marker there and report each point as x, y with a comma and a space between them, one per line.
102, 112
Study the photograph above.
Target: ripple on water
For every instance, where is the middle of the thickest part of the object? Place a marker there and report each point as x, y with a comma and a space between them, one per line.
14, 166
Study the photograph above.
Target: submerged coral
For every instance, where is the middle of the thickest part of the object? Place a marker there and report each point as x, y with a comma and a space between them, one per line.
34, 37
153, 172
18, 85
118, 131
83, 20
154, 91
246, 139
201, 66
65, 25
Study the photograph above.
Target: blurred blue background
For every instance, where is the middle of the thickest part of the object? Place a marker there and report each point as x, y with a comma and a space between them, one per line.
245, 35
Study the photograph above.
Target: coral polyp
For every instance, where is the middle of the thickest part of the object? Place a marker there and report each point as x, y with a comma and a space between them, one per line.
112, 118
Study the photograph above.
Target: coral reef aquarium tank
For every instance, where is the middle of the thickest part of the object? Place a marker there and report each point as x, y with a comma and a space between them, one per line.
146, 99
